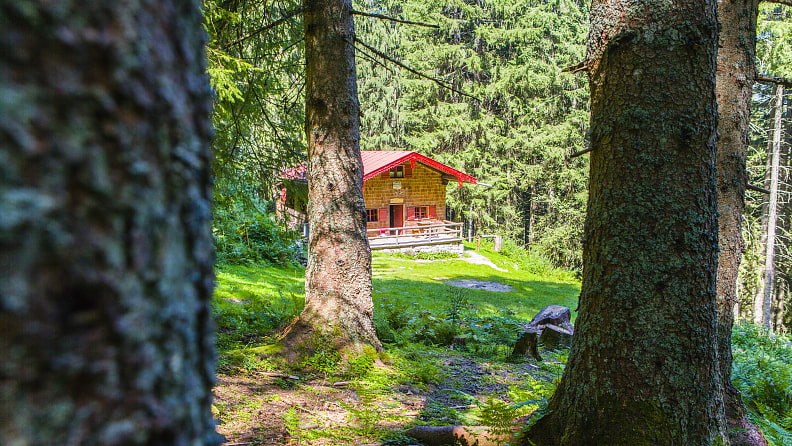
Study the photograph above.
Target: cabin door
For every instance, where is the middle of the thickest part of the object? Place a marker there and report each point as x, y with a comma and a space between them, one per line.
396, 216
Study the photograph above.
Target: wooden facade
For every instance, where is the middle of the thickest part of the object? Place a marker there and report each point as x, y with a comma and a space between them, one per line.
403, 191
393, 201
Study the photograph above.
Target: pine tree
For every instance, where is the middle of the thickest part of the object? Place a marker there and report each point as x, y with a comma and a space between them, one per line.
338, 309
643, 369
105, 247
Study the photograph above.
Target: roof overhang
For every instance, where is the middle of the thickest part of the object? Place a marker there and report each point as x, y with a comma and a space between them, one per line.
414, 157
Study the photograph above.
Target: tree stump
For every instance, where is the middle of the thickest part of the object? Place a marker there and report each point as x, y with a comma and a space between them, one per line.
554, 337
555, 317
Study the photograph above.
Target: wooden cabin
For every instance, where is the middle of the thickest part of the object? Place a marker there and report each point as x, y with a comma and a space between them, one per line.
405, 195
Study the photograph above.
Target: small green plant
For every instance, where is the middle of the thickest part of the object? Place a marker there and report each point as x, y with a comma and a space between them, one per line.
324, 361
291, 422
458, 304
418, 364
499, 415
364, 418
242, 361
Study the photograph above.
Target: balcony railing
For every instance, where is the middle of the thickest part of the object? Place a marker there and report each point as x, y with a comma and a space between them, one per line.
415, 235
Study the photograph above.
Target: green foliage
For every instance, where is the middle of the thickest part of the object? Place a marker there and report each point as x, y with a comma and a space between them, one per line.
243, 234
762, 371
418, 363
530, 396
425, 256
324, 361
243, 361
517, 137
457, 323
251, 302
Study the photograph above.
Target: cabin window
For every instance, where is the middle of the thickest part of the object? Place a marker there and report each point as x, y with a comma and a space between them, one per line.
372, 215
397, 172
421, 212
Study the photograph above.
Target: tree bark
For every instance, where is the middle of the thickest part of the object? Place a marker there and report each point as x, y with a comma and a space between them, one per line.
735, 77
338, 303
643, 368
105, 243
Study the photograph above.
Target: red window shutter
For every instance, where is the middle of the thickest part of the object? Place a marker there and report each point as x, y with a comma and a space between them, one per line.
385, 174
432, 210
411, 213
408, 171
383, 216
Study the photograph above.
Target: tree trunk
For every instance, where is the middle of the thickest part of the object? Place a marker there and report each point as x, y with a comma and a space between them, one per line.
105, 245
764, 313
643, 369
338, 305
735, 77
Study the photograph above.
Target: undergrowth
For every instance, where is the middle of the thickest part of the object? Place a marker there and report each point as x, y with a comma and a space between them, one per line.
762, 371
253, 301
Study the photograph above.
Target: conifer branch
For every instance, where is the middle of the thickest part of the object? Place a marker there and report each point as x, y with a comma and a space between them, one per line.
413, 71
780, 2
371, 59
581, 152
393, 19
281, 20
776, 80
757, 189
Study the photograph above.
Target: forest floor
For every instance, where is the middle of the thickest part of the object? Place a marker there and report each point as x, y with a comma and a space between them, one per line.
425, 377
257, 409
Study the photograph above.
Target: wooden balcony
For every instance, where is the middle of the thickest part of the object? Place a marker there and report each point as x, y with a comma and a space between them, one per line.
418, 235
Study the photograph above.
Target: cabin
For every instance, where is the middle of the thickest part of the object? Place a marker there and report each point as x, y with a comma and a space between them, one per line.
405, 195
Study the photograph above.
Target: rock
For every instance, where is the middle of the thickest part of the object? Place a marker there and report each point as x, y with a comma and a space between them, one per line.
559, 336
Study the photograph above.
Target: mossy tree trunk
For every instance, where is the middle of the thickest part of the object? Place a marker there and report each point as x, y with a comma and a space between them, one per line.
338, 305
105, 242
735, 78
643, 369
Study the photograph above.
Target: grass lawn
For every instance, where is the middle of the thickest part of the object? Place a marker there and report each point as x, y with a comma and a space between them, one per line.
422, 284
419, 285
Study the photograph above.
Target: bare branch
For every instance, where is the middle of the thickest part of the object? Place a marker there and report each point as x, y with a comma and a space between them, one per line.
757, 188
578, 67
413, 71
394, 19
582, 152
776, 80
281, 20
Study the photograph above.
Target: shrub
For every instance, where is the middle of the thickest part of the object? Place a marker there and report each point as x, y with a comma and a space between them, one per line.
247, 235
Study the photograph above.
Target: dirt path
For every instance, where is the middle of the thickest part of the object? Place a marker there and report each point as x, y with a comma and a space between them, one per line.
478, 259
266, 410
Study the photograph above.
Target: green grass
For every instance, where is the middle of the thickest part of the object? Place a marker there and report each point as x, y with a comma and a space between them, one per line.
421, 285
239, 282
415, 283
412, 304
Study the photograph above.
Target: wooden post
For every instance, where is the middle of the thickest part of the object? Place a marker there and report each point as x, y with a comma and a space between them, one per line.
497, 243
478, 243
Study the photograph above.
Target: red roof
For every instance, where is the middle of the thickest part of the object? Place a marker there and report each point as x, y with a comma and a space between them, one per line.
376, 162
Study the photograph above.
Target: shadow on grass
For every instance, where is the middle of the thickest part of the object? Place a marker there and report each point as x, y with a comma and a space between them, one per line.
526, 299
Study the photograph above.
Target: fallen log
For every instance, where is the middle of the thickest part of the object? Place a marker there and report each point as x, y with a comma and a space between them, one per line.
460, 435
